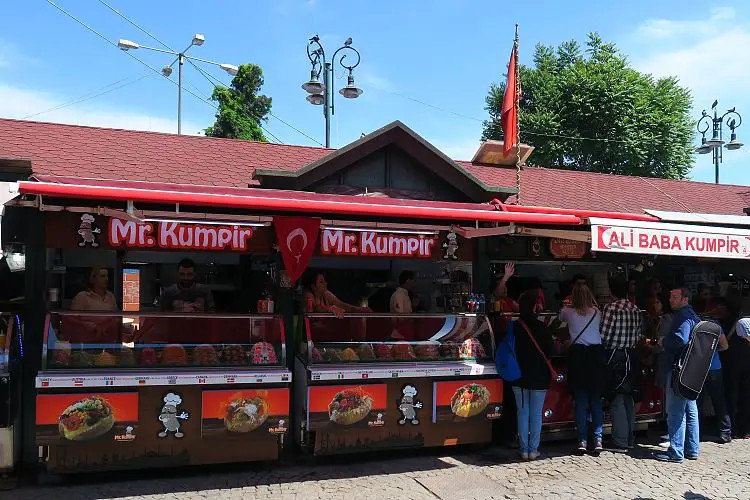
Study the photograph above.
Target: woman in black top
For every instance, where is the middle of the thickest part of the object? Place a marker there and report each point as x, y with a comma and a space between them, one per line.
531, 389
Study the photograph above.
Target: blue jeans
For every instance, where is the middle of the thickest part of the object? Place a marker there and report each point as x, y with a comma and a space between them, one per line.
588, 403
682, 423
529, 404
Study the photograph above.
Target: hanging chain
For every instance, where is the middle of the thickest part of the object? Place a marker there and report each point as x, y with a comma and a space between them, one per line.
518, 121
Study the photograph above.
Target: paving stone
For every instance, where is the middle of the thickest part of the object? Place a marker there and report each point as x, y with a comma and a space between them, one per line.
721, 472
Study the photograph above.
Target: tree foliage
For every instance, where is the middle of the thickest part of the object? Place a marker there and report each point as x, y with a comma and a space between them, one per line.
642, 125
242, 108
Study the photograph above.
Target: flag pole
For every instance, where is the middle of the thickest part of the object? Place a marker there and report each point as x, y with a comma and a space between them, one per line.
518, 129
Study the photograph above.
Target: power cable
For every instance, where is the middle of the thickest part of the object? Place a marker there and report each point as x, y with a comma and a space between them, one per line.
79, 21
89, 95
523, 132
213, 79
206, 75
136, 25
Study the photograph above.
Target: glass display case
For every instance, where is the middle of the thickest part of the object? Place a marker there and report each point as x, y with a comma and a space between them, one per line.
403, 338
107, 340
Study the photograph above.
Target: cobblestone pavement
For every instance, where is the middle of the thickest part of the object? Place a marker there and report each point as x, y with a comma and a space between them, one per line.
723, 471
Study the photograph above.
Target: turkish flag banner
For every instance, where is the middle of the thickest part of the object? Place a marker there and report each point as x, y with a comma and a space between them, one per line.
509, 118
297, 237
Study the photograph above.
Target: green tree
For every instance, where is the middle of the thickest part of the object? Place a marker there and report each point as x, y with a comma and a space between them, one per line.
242, 108
642, 125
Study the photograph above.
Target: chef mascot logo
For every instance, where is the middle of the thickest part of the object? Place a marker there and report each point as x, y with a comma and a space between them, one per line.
88, 231
408, 405
169, 417
297, 237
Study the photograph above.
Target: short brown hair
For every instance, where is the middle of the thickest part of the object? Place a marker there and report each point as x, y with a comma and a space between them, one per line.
684, 292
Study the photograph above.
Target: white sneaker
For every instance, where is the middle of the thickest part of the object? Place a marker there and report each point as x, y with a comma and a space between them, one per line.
664, 443
524, 456
534, 455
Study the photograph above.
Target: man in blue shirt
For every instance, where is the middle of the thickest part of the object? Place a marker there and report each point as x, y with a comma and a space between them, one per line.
682, 414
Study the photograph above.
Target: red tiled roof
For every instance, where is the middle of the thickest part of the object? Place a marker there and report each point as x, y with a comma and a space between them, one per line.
615, 193
90, 152
115, 154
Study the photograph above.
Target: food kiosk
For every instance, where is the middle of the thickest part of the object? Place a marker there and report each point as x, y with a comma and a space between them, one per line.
360, 390
551, 262
144, 386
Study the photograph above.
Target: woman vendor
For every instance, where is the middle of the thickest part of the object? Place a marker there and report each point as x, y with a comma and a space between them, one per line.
317, 297
95, 298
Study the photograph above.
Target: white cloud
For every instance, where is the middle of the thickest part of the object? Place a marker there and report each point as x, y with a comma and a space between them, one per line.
367, 78
709, 57
718, 63
18, 102
669, 28
11, 56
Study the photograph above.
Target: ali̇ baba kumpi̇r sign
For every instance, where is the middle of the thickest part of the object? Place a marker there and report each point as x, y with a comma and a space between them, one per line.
682, 240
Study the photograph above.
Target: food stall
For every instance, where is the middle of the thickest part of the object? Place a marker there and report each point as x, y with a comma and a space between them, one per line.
383, 381
144, 386
359, 390
551, 262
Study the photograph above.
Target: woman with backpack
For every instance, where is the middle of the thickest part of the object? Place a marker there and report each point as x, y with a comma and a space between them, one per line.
533, 348
586, 364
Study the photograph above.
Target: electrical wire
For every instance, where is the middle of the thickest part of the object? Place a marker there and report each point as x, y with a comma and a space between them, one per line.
79, 21
522, 132
151, 35
88, 96
211, 79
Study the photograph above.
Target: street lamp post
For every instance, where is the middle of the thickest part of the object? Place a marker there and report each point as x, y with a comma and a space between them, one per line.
322, 93
198, 40
715, 123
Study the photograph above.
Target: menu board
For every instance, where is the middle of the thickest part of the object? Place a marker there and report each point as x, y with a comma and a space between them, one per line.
234, 413
80, 417
459, 400
340, 406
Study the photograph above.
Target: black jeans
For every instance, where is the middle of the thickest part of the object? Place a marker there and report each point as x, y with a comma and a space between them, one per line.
738, 382
714, 389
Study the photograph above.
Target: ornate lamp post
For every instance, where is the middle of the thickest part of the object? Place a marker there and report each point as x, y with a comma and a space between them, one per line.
715, 123
322, 93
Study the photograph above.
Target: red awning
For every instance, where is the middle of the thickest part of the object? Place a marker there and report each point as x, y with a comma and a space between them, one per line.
572, 211
281, 201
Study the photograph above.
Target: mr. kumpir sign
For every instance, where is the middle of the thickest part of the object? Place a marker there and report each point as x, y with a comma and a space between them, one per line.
377, 244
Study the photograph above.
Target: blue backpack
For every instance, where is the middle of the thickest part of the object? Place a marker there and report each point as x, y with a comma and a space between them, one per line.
506, 362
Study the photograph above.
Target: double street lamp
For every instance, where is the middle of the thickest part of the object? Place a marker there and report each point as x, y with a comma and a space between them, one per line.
716, 123
198, 40
322, 93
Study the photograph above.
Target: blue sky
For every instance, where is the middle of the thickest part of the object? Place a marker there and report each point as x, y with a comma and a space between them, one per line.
444, 53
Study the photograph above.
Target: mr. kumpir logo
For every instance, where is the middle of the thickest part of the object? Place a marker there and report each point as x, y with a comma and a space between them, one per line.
88, 232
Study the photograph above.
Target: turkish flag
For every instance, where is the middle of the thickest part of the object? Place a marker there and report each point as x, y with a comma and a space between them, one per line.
509, 118
297, 237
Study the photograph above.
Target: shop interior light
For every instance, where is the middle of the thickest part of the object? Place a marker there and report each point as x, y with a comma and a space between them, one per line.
212, 222
379, 230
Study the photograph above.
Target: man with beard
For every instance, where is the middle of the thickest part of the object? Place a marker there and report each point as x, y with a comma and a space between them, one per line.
187, 295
